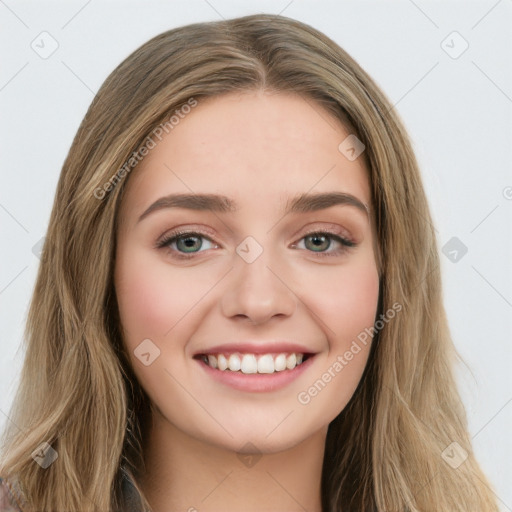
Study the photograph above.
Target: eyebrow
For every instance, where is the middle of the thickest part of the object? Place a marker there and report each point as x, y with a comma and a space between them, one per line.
301, 203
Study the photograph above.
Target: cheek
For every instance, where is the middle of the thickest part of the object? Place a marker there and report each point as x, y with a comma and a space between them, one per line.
345, 300
358, 299
153, 304
347, 305
150, 301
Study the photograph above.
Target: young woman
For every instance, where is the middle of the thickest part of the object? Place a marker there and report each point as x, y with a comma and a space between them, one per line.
239, 303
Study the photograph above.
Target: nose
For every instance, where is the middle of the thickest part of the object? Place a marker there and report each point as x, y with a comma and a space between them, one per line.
258, 291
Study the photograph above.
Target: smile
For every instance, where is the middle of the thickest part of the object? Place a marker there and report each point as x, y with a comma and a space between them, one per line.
255, 373
253, 363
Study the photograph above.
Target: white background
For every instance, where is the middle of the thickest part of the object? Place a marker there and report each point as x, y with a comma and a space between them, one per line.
458, 112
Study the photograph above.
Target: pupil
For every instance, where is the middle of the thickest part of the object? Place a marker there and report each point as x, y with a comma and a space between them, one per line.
318, 240
321, 239
189, 242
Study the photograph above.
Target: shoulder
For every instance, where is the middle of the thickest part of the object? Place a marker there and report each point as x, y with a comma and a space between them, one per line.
11, 498
131, 499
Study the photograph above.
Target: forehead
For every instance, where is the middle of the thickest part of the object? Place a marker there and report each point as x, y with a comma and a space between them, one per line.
257, 147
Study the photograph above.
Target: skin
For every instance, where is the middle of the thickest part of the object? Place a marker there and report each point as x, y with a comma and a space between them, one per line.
258, 148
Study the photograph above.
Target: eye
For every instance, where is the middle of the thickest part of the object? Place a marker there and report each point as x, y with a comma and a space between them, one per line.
320, 241
184, 244
187, 241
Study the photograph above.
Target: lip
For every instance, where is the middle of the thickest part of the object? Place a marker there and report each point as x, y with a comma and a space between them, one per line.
256, 382
254, 347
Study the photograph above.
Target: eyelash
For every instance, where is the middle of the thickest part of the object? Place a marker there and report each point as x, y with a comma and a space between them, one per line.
175, 235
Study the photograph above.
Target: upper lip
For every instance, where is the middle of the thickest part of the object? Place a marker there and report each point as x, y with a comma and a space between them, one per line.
257, 347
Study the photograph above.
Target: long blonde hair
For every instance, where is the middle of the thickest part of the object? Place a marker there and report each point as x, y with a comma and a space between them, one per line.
77, 391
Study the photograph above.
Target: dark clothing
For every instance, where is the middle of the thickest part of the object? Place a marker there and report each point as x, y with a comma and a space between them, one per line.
13, 500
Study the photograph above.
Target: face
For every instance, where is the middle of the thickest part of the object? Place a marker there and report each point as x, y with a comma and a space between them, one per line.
251, 279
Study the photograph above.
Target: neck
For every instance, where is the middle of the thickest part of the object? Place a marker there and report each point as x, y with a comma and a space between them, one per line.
186, 474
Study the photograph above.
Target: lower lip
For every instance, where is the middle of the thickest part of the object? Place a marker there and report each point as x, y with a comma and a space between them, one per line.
256, 382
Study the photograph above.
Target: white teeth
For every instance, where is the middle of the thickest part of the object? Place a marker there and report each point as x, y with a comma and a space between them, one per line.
222, 362
266, 364
250, 363
233, 363
291, 361
280, 363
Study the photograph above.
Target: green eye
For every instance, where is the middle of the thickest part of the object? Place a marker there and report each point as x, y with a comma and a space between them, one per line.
186, 244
